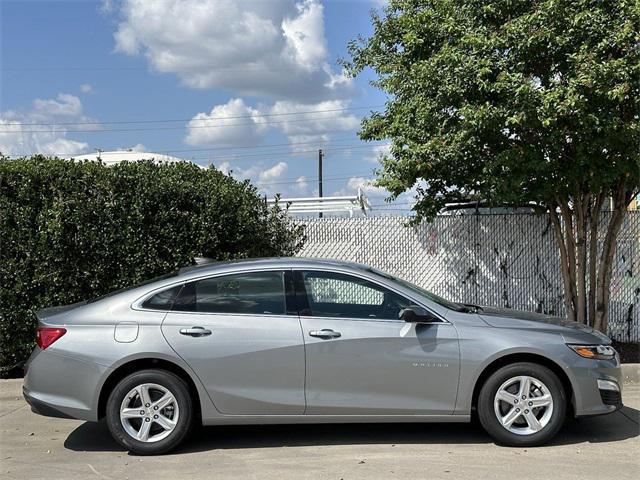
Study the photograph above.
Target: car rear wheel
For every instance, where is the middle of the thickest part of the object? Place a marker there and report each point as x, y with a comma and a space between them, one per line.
150, 412
522, 405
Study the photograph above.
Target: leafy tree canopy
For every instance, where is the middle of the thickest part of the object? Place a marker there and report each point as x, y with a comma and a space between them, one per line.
504, 100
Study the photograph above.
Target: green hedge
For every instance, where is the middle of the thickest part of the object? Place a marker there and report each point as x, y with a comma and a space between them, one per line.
70, 231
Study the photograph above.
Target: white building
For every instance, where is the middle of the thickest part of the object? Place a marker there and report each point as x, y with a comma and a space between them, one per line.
351, 204
117, 156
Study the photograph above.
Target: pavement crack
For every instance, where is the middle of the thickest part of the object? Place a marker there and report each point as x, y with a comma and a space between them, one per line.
102, 475
12, 411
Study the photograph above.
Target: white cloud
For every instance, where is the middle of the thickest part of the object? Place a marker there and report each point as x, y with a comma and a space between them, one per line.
378, 196
272, 173
224, 167
268, 179
33, 131
138, 147
230, 124
107, 6
377, 153
266, 48
257, 173
313, 127
304, 35
64, 145
86, 88
245, 125
301, 184
364, 184
64, 105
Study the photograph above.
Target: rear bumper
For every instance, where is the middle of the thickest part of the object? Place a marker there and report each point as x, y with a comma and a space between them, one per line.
60, 386
43, 408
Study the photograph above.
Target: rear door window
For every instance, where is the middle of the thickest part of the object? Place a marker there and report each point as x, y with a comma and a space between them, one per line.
259, 293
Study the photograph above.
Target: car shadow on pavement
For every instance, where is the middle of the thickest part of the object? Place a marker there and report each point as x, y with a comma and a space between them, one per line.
618, 426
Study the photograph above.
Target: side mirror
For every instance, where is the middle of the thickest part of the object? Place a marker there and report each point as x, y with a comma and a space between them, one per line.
416, 314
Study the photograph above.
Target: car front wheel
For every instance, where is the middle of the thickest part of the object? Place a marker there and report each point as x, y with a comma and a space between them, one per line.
522, 405
150, 412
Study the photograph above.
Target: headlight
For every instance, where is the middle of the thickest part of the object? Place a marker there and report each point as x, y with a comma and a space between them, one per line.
597, 352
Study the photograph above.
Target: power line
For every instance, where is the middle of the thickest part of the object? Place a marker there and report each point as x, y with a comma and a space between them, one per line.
287, 153
312, 179
241, 147
267, 153
182, 127
244, 68
233, 117
268, 145
28, 69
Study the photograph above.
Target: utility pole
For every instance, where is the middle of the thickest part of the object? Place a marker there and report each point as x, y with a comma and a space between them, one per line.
320, 156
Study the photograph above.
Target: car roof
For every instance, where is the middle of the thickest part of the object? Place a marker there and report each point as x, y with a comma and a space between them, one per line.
270, 262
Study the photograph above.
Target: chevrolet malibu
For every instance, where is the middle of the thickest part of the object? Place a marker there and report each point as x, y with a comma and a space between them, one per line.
310, 341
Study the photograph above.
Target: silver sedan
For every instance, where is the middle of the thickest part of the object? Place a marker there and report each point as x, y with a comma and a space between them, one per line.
311, 341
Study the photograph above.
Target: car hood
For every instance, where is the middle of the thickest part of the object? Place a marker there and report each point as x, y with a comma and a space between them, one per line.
507, 318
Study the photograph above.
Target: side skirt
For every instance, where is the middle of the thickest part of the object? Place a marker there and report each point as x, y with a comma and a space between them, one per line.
288, 419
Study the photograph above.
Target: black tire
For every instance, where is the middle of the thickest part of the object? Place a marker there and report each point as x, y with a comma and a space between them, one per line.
488, 417
178, 389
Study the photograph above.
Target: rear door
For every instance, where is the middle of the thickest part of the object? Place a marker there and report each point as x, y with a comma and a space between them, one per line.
362, 360
241, 340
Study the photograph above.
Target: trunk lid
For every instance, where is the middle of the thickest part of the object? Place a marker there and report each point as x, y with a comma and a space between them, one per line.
56, 315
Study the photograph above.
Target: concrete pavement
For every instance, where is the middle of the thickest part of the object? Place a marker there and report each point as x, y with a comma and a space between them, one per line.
35, 447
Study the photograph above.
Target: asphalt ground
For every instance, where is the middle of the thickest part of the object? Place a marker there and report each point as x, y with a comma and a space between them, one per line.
35, 447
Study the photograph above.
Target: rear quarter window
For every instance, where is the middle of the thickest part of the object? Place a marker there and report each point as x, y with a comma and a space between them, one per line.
163, 300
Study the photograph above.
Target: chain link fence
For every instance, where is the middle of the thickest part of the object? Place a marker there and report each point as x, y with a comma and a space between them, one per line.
506, 260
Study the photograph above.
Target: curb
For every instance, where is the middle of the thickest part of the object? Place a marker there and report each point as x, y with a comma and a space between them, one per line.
630, 373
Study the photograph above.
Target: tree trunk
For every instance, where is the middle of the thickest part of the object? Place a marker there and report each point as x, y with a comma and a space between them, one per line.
594, 220
570, 245
587, 302
620, 201
580, 204
564, 262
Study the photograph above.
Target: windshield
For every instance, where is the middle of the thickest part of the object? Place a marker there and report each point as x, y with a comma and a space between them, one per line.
420, 291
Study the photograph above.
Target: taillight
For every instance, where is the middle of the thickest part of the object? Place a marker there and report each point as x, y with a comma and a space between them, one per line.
45, 336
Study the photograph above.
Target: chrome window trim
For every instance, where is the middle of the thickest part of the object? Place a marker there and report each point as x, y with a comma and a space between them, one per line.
218, 314
377, 320
137, 304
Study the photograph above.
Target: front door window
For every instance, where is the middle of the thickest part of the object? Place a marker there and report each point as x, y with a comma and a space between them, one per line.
332, 294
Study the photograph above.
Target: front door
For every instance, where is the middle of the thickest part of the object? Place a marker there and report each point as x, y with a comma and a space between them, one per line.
362, 360
234, 330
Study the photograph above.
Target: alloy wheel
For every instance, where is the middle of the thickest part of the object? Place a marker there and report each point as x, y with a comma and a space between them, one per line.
523, 405
149, 412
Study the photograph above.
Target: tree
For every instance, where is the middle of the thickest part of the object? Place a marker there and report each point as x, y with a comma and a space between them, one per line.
512, 102
72, 231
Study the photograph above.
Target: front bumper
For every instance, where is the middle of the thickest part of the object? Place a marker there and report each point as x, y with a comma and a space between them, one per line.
610, 393
597, 386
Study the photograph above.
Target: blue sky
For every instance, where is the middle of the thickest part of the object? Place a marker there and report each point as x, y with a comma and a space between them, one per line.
236, 76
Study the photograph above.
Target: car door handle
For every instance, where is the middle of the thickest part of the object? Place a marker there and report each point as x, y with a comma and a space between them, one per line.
195, 331
325, 333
